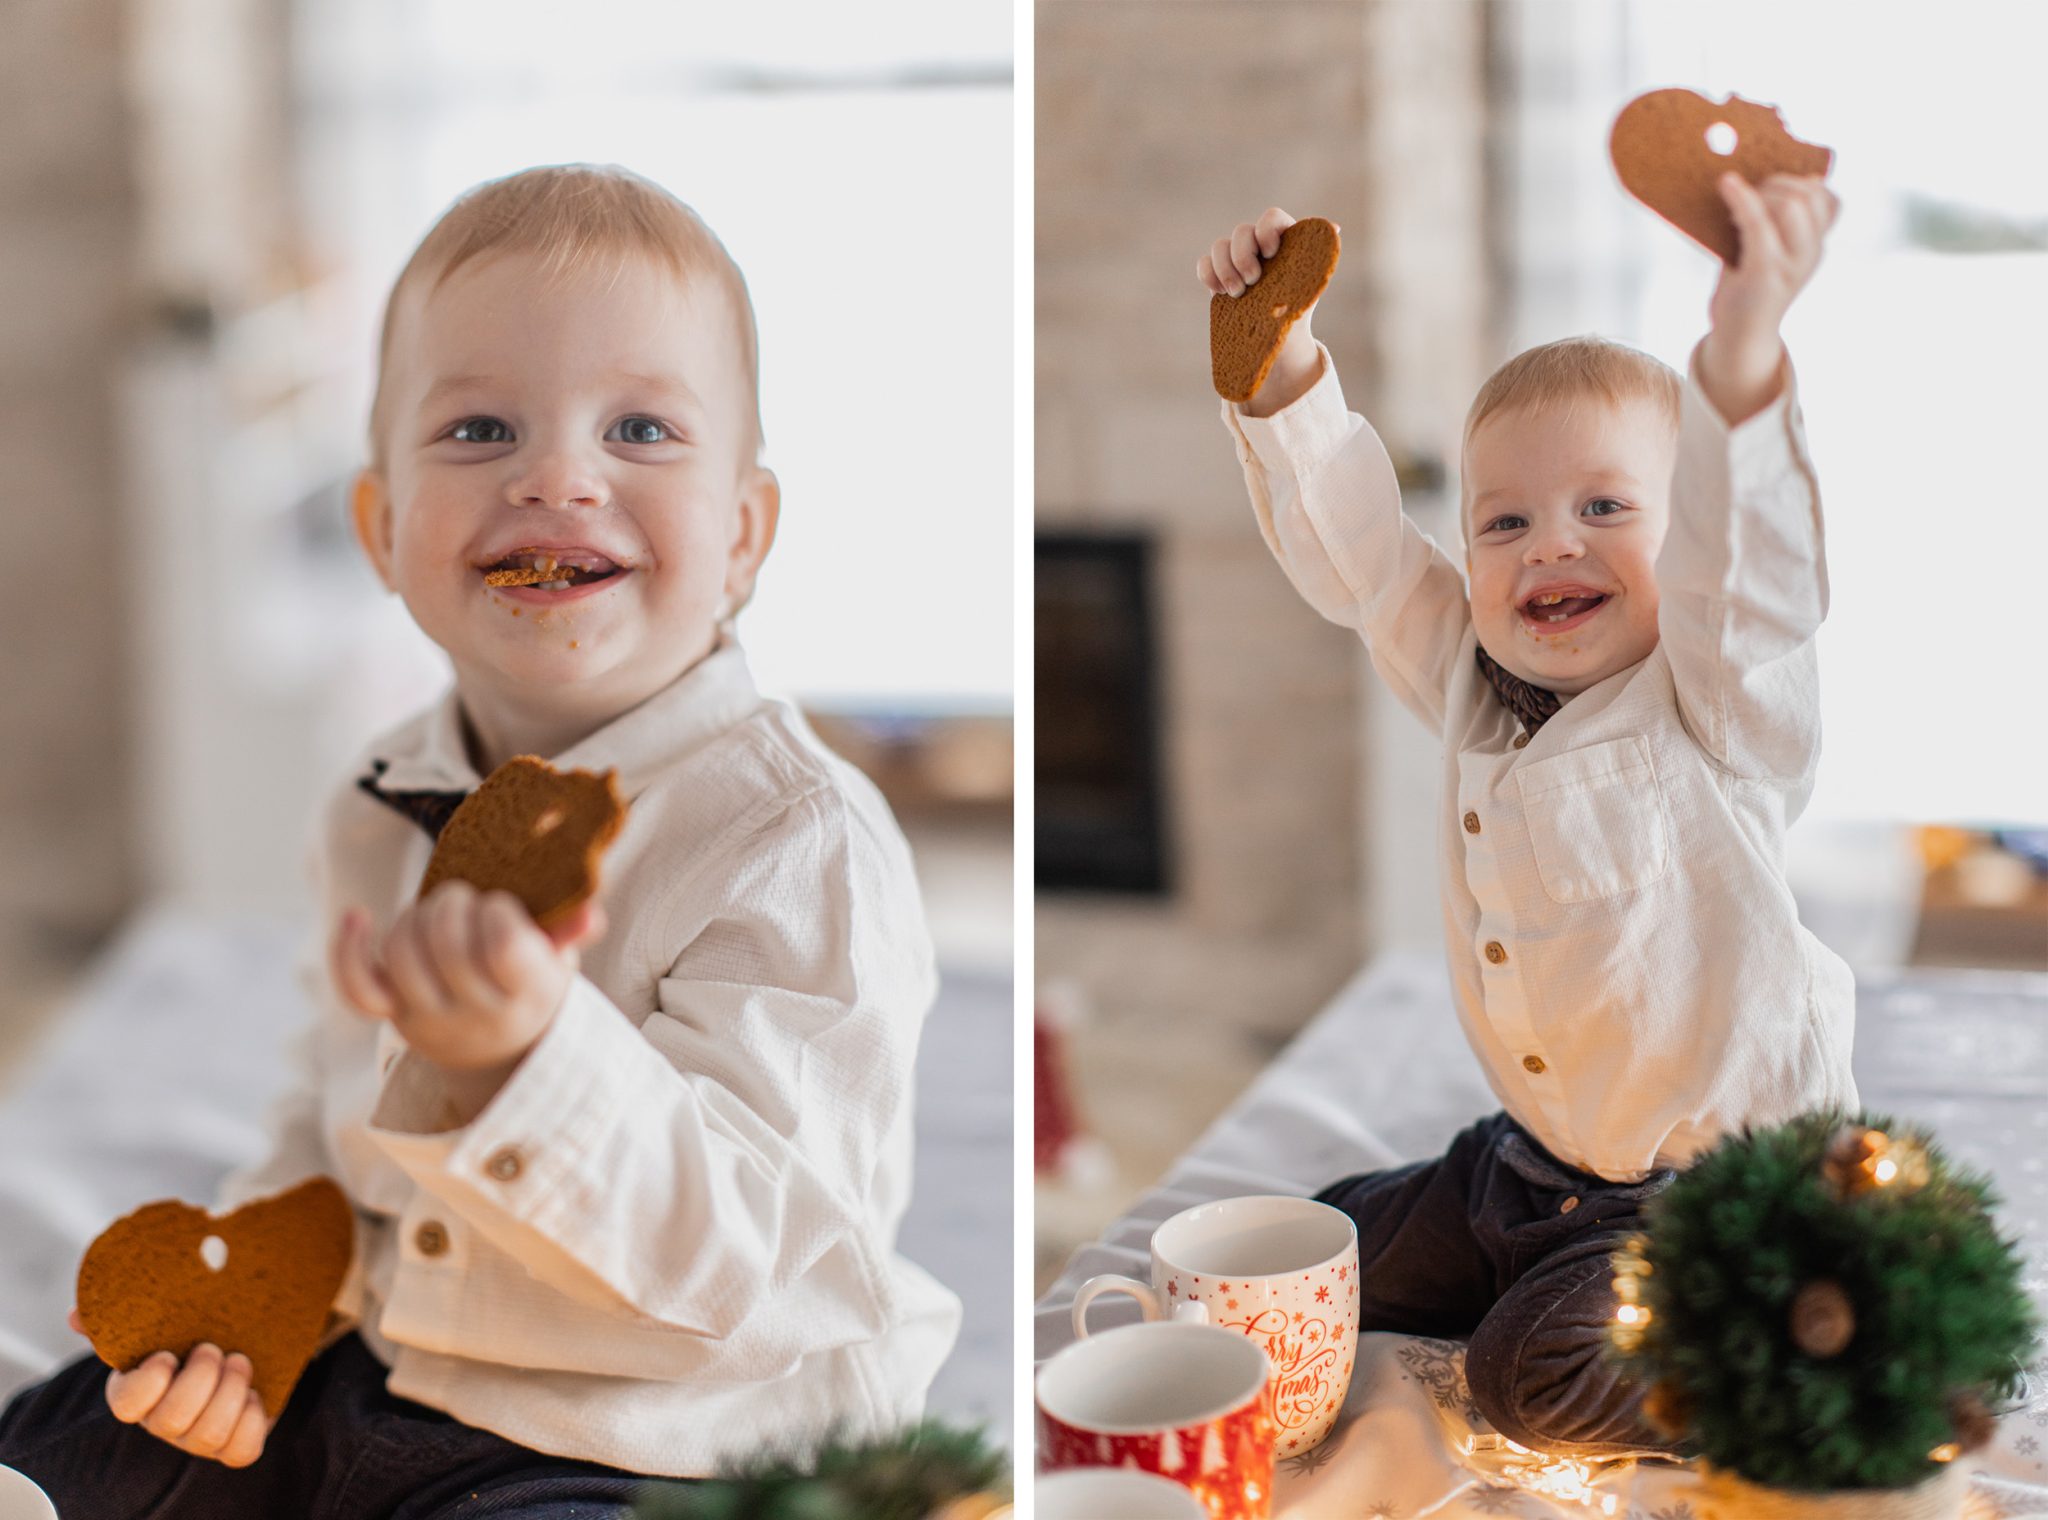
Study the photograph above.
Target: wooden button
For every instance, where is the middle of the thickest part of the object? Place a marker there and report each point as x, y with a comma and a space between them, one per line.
1471, 823
506, 1165
1494, 952
431, 1237
1534, 1065
1568, 1205
1521, 741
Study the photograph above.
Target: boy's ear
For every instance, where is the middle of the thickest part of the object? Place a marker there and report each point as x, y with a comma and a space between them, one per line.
759, 507
369, 511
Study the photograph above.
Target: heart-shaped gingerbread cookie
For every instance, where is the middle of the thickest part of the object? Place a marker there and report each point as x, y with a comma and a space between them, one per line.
1671, 148
259, 1281
533, 831
1245, 332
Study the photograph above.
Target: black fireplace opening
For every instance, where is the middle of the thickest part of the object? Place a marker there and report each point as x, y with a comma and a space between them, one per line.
1099, 799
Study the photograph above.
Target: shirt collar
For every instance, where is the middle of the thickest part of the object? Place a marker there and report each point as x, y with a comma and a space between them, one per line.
712, 695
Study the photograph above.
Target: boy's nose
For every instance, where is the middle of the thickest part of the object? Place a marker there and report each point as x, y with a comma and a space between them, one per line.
1546, 546
557, 479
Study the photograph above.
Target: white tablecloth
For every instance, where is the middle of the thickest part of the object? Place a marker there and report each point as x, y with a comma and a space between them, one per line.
1383, 1076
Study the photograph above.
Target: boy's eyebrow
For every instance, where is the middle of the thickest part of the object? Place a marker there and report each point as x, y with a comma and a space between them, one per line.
667, 384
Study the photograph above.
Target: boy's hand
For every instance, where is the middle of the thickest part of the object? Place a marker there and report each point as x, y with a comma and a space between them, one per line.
1783, 222
1233, 265
205, 1408
467, 977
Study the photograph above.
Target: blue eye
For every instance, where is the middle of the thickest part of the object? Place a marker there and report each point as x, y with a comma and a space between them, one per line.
1510, 520
659, 430
1608, 502
465, 431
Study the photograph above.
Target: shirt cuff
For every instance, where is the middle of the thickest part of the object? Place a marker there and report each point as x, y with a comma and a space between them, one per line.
521, 1155
1301, 434
1761, 449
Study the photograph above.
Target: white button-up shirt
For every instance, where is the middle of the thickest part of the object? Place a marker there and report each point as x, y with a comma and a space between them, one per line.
1627, 960
668, 1240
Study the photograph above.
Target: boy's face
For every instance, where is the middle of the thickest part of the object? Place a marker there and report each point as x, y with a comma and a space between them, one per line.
1569, 504
606, 424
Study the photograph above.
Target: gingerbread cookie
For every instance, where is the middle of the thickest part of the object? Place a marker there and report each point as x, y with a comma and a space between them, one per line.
1664, 147
1245, 332
533, 831
259, 1281
531, 575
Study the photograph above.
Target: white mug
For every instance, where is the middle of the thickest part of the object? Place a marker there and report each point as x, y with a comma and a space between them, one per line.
21, 1499
1280, 1269
1097, 1493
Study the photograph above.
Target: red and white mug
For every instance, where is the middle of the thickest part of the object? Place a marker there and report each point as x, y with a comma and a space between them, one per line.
1278, 1269
1186, 1402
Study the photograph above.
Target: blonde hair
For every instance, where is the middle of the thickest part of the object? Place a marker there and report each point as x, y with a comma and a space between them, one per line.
1576, 369
573, 217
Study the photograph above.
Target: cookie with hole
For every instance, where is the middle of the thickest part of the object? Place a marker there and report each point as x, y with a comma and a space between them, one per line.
259, 1280
533, 831
1671, 147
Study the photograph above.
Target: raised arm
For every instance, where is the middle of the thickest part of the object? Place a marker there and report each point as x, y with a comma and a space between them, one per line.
1327, 504
1742, 578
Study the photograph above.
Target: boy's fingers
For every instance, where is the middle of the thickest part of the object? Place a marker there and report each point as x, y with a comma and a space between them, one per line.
1272, 222
133, 1394
412, 973
586, 924
1244, 252
1208, 276
245, 1443
451, 936
185, 1400
356, 974
217, 1420
1752, 219
507, 943
1226, 270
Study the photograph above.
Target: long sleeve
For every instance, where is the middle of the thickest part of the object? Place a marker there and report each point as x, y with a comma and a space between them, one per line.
688, 1171
1742, 585
1329, 508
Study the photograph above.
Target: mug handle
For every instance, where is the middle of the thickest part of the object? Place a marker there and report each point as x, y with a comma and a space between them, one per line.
1110, 1282
1192, 1310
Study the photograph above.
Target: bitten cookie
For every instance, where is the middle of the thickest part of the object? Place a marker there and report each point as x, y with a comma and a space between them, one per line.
1245, 332
1661, 151
150, 1283
533, 831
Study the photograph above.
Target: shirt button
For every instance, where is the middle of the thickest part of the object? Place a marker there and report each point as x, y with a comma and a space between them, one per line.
1521, 741
1471, 823
1568, 1205
431, 1237
1534, 1065
505, 1165
1494, 952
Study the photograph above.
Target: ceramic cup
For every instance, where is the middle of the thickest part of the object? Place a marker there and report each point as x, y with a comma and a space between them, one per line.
1185, 1402
1281, 1270
22, 1500
1097, 1493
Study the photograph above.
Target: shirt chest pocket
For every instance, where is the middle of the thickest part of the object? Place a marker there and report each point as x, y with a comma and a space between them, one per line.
1596, 820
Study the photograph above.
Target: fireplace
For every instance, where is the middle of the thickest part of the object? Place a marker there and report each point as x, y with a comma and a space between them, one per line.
1100, 803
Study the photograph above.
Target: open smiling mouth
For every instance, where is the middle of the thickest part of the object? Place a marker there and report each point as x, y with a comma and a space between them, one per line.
536, 571
1560, 611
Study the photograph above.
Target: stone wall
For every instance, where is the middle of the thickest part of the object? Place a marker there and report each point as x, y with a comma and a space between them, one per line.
1160, 123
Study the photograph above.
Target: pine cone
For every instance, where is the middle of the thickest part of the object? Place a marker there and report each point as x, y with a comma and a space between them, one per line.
1823, 1319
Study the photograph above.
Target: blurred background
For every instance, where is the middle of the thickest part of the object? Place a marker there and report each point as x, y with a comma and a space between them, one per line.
202, 206
1231, 815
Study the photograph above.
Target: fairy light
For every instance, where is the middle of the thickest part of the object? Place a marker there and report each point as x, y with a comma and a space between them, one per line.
1947, 1451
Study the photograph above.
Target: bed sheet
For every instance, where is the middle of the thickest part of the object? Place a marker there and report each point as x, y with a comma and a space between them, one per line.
157, 1079
1383, 1076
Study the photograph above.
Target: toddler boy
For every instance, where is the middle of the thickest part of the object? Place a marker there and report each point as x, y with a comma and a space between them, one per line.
1626, 693
625, 1206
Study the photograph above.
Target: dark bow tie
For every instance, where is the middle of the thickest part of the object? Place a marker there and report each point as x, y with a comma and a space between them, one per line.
1531, 703
430, 810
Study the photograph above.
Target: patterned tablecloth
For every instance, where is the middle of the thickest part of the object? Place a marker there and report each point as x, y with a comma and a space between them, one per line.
1383, 1076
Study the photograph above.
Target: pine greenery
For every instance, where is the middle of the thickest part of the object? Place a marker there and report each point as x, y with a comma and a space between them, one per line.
1939, 1311
907, 1476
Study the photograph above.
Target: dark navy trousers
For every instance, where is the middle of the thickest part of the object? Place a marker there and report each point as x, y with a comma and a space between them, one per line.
345, 1450
1500, 1243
